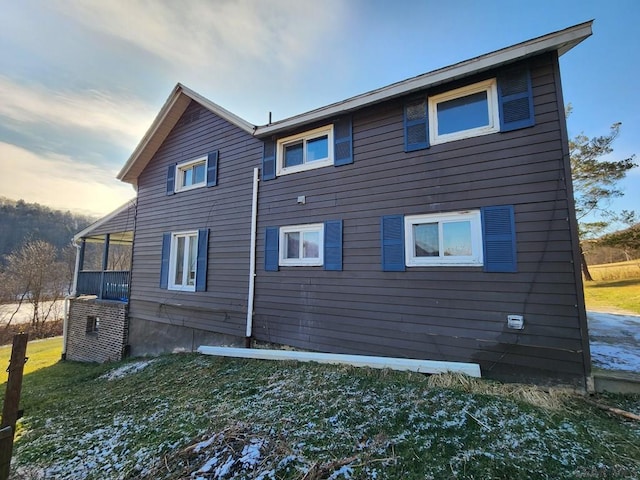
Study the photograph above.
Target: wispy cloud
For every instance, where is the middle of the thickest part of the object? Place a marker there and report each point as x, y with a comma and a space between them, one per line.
60, 182
121, 119
214, 35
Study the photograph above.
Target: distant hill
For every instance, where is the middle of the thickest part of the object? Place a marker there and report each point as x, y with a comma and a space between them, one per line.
21, 221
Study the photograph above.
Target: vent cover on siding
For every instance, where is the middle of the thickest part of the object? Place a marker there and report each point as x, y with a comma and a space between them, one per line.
190, 117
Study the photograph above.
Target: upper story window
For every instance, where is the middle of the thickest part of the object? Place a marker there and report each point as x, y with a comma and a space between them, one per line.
192, 174
200, 172
443, 239
500, 104
305, 151
464, 112
302, 245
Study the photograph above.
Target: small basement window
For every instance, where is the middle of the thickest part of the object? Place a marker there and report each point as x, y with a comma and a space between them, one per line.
302, 245
465, 112
191, 174
305, 151
443, 239
93, 323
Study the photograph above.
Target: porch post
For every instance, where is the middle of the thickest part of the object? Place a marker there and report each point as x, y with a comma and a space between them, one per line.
105, 263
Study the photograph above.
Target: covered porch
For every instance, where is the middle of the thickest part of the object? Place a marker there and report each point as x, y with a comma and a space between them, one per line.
104, 266
103, 262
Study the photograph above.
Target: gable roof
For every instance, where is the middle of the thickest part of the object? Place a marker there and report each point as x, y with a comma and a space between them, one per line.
561, 41
169, 114
124, 212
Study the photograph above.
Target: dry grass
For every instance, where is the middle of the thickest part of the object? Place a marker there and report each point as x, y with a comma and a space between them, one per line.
615, 271
552, 399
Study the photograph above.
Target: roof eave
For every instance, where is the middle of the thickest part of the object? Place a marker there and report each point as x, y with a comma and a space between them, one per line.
561, 41
165, 121
87, 230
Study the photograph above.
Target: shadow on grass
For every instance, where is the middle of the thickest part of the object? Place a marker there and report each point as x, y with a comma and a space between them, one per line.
615, 283
48, 383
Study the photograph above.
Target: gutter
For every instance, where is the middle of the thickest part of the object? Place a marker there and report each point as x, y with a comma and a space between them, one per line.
400, 364
252, 258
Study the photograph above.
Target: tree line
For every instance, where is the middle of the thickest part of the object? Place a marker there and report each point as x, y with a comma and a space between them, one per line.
21, 222
37, 259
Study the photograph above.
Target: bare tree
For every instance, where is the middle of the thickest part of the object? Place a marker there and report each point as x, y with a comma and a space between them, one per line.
39, 279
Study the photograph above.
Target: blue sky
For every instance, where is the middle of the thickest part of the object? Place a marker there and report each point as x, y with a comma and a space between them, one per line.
81, 81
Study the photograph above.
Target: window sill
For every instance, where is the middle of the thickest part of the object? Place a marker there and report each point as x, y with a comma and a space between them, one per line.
305, 167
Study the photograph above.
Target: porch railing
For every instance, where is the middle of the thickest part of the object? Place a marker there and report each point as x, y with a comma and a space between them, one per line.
106, 285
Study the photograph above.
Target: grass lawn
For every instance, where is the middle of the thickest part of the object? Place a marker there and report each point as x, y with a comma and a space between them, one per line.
41, 353
615, 289
613, 296
199, 417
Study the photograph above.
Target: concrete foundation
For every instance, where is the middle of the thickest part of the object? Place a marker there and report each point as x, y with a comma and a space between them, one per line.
154, 338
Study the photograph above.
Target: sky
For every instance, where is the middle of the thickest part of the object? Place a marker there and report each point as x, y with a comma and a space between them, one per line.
82, 80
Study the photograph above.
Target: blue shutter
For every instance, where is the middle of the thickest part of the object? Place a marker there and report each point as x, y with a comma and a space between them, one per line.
333, 245
201, 265
271, 257
164, 263
171, 179
515, 98
342, 142
392, 235
269, 160
212, 169
499, 239
416, 125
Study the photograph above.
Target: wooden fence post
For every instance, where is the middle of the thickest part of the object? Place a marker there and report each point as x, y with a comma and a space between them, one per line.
12, 402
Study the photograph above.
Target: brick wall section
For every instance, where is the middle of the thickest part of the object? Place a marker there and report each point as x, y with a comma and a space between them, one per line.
108, 342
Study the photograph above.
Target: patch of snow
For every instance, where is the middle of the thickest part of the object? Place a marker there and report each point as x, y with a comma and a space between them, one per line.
615, 341
127, 369
251, 453
345, 471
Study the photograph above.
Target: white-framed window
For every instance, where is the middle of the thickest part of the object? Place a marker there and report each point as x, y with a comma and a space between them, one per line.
464, 112
305, 151
191, 174
302, 245
183, 261
443, 239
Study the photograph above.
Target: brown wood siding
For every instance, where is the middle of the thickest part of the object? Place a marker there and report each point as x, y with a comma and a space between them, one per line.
440, 313
224, 209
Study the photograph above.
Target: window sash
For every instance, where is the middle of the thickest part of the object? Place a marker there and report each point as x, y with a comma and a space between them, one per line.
183, 261
444, 239
302, 245
464, 112
305, 151
192, 174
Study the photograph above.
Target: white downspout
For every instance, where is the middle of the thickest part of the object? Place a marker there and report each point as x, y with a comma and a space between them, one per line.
252, 257
65, 319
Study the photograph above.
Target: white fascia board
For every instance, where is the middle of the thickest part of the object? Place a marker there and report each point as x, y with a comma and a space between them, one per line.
220, 111
562, 41
140, 154
401, 364
149, 134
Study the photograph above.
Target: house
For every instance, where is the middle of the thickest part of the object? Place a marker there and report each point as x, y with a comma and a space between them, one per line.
429, 219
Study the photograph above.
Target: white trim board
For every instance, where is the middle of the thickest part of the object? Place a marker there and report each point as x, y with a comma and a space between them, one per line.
401, 364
